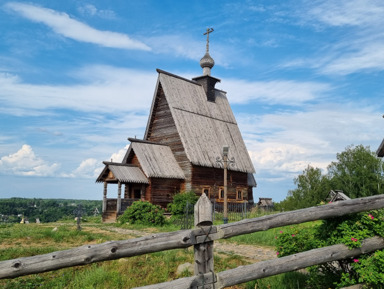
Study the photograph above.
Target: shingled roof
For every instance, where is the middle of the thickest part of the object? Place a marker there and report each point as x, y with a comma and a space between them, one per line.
156, 160
117, 172
204, 126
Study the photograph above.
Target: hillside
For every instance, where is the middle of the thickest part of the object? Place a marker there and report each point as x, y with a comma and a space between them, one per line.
14, 210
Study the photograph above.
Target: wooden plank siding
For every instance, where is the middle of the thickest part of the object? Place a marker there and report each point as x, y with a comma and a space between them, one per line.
161, 191
213, 178
163, 130
185, 134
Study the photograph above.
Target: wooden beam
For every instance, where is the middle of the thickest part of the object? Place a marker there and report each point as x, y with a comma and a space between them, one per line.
273, 267
180, 239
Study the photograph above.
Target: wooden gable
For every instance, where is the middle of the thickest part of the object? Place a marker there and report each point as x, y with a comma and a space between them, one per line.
195, 128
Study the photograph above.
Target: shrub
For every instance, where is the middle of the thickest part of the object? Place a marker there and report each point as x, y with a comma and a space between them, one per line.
180, 200
144, 213
350, 230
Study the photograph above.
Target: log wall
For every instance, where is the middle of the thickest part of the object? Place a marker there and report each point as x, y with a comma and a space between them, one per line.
203, 177
162, 129
161, 191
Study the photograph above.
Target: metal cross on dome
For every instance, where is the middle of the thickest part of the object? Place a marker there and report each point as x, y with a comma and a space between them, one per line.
209, 30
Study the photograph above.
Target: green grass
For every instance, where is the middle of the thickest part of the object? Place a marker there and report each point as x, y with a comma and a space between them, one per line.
19, 240
59, 234
290, 280
266, 238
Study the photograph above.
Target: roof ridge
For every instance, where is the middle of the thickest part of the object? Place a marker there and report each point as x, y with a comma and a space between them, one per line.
118, 164
176, 76
145, 141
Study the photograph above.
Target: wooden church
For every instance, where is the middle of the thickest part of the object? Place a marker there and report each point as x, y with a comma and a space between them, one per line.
190, 122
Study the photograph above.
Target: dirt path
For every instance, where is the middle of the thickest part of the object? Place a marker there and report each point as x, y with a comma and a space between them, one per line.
250, 252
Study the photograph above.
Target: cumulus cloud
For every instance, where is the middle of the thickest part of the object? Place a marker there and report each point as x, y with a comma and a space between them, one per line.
89, 168
283, 144
118, 157
25, 163
63, 24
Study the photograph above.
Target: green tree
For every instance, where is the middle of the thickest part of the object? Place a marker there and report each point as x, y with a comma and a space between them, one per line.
358, 172
312, 188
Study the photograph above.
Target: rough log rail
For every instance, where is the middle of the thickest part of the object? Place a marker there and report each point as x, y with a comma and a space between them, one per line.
182, 239
272, 267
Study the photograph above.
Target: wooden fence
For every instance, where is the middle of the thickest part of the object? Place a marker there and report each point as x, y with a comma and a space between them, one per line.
202, 239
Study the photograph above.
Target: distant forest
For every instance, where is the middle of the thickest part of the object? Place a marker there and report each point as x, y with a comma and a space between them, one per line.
45, 210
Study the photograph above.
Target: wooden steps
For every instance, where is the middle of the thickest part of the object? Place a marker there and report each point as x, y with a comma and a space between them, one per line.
109, 217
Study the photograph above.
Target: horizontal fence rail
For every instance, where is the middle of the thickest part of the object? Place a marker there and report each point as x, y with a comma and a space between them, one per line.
181, 239
272, 267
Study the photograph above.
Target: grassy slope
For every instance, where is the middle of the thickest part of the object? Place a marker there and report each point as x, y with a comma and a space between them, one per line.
31, 239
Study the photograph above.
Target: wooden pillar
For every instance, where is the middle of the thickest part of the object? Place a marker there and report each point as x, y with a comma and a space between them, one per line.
203, 251
118, 209
126, 191
225, 162
105, 197
142, 193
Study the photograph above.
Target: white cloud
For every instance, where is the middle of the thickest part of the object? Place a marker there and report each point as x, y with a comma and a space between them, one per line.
281, 145
356, 26
106, 89
285, 92
178, 45
89, 168
118, 157
347, 12
89, 9
25, 163
368, 58
68, 27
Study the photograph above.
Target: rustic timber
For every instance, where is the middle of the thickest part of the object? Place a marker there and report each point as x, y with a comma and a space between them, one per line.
203, 211
273, 267
180, 239
204, 251
188, 124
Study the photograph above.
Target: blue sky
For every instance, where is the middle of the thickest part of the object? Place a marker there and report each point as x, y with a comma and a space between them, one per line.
304, 78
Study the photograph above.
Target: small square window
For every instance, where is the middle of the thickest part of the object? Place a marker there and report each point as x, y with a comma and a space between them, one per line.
207, 191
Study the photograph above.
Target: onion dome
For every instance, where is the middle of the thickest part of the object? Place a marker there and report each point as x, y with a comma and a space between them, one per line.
207, 63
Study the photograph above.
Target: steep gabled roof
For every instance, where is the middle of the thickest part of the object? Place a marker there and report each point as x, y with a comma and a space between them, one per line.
156, 160
204, 126
122, 173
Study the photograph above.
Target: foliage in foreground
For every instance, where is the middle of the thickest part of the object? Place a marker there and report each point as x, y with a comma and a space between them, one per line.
180, 201
144, 213
349, 230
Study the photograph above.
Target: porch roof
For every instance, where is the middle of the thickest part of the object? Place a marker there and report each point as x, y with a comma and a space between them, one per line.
117, 172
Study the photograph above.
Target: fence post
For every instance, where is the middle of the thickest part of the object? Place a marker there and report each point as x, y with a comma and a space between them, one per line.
203, 251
